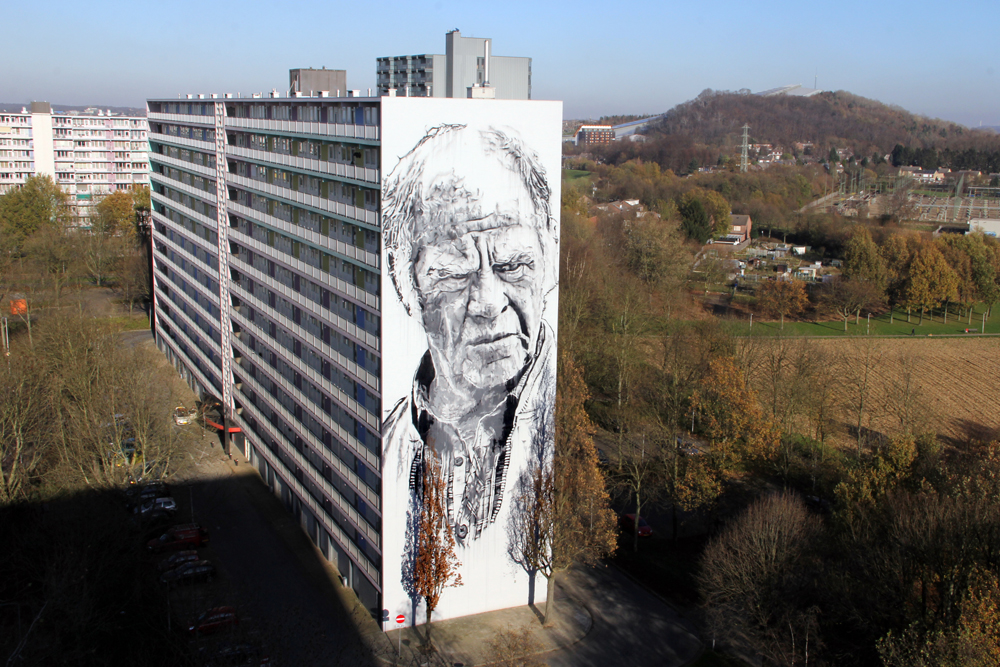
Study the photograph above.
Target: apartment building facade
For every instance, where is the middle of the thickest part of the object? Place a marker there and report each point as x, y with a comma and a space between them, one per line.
274, 292
592, 135
467, 62
88, 154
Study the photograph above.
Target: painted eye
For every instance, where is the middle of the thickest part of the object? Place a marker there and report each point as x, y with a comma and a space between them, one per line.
511, 271
450, 282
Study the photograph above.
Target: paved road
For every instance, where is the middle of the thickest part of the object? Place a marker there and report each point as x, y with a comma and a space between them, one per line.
135, 338
631, 625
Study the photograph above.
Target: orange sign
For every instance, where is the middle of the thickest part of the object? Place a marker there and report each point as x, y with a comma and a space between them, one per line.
19, 307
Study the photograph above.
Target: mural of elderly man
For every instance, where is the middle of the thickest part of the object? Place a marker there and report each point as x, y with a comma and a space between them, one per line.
472, 251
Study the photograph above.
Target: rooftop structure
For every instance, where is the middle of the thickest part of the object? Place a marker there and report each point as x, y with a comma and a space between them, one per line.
467, 65
305, 81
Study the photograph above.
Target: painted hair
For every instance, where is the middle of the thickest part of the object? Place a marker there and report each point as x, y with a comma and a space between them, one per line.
418, 194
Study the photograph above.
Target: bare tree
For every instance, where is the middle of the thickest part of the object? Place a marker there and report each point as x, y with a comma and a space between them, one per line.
641, 469
744, 577
904, 397
132, 282
560, 515
860, 359
23, 424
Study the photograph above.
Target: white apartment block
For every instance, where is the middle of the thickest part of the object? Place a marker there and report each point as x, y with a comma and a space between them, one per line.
88, 154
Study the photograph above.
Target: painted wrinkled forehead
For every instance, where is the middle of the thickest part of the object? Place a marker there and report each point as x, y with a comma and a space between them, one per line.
485, 194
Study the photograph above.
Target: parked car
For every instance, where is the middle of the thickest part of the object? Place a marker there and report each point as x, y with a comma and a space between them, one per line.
214, 620
153, 519
178, 559
185, 536
156, 505
136, 490
627, 523
183, 416
144, 498
189, 573
234, 654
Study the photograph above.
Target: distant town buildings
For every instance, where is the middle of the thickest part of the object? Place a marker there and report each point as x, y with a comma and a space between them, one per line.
468, 64
590, 135
88, 154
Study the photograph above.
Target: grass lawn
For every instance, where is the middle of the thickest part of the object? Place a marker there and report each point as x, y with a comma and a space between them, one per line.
127, 323
574, 175
880, 326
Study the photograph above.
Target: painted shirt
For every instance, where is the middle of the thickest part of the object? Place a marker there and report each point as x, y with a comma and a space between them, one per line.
477, 471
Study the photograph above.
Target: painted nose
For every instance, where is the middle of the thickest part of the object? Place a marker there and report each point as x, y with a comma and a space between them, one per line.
487, 298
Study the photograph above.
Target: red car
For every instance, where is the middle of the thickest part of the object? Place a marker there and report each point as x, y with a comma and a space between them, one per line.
186, 536
627, 522
214, 620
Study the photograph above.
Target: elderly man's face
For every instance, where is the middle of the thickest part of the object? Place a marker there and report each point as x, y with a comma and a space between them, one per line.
481, 288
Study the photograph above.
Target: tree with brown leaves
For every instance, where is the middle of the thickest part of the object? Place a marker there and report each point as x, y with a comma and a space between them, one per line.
436, 566
731, 416
782, 297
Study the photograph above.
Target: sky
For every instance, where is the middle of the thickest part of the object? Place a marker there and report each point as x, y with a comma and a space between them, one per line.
937, 59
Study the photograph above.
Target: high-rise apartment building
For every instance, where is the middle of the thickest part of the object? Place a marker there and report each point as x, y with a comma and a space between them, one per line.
88, 154
468, 62
311, 255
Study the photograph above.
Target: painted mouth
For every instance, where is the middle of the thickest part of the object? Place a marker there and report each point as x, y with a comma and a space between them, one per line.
498, 337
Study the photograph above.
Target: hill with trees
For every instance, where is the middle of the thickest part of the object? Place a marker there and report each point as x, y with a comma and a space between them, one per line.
708, 131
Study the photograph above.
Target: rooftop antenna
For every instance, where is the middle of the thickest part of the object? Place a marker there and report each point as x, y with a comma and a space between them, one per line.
745, 150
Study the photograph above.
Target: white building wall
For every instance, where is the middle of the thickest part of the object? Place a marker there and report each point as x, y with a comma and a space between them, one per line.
41, 135
511, 77
491, 577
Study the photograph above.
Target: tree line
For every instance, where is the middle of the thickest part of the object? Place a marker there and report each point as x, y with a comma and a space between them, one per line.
770, 197
985, 160
881, 552
907, 271
45, 253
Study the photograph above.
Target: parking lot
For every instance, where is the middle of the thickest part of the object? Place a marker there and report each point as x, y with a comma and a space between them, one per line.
290, 605
288, 599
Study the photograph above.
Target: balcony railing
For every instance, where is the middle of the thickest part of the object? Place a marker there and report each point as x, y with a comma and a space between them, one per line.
365, 174
359, 335
342, 538
344, 130
315, 238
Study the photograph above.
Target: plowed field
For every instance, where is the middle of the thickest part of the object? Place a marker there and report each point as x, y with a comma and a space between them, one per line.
957, 383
